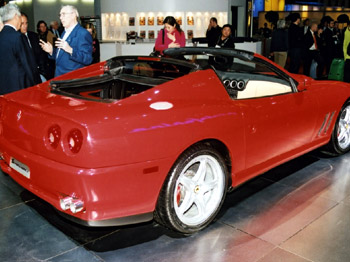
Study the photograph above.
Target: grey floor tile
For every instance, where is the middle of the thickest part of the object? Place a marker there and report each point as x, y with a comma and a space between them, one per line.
280, 255
26, 235
276, 213
216, 243
8, 198
346, 201
326, 239
78, 254
8, 182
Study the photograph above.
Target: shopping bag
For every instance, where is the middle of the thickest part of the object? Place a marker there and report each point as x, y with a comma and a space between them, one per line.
336, 71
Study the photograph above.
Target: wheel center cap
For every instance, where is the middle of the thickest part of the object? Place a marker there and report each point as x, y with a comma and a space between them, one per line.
196, 189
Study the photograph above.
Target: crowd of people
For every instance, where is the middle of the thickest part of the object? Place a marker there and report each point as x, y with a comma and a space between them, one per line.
29, 58
311, 47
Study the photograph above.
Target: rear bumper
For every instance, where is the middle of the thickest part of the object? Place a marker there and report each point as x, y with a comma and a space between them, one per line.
116, 195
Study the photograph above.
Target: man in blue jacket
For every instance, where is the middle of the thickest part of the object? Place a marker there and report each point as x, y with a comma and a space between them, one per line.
74, 48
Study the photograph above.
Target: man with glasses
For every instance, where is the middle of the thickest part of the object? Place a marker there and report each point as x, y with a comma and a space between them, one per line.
74, 49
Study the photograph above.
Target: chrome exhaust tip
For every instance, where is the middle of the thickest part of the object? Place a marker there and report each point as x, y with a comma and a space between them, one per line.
76, 206
66, 202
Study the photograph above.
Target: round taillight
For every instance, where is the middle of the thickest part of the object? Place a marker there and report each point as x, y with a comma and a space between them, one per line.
75, 140
54, 136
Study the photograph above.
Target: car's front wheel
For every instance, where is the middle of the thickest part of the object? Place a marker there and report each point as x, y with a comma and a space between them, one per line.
340, 140
193, 191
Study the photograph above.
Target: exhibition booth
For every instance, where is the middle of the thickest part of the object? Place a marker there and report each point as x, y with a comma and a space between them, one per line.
132, 29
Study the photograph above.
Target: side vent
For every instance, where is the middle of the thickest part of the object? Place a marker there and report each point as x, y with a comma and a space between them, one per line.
329, 122
326, 124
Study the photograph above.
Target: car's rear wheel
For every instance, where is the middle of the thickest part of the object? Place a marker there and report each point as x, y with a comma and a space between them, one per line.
193, 191
340, 140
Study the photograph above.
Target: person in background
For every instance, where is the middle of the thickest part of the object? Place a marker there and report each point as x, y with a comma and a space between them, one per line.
213, 32
306, 24
15, 71
346, 55
279, 44
171, 36
295, 43
225, 40
54, 26
46, 65
331, 41
44, 33
31, 42
266, 31
95, 43
74, 49
339, 42
312, 52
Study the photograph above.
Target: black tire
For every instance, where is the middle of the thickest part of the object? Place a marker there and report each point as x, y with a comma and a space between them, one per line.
188, 182
340, 144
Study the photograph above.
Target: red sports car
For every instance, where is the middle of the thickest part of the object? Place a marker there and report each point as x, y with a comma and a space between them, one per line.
136, 138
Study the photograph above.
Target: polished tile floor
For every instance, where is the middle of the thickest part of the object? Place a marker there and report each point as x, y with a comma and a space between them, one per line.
297, 212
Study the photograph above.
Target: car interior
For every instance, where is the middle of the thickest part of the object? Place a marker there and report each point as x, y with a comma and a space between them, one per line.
132, 75
245, 79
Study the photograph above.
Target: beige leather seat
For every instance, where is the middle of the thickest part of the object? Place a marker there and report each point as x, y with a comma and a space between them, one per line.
258, 88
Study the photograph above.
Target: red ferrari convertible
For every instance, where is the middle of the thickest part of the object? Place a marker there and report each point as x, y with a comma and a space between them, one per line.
136, 138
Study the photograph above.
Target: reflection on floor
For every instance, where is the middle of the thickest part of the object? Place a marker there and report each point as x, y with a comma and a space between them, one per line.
296, 212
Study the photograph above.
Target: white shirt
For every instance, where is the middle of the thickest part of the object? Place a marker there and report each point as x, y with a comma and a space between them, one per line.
11, 26
26, 34
67, 32
313, 47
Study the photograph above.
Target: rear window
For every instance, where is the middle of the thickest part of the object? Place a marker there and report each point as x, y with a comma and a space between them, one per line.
124, 77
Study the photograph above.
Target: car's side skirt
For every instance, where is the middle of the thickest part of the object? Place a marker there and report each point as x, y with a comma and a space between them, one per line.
120, 221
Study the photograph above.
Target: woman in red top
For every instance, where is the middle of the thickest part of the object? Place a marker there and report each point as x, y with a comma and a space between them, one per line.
173, 35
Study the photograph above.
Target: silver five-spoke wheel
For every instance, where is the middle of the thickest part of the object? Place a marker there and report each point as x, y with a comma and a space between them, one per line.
344, 128
199, 190
194, 190
340, 139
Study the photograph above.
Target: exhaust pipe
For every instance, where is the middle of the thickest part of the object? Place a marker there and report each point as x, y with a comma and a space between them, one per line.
66, 202
75, 205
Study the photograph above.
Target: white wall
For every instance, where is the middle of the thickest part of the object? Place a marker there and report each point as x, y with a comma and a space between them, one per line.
48, 10
134, 6
108, 6
242, 13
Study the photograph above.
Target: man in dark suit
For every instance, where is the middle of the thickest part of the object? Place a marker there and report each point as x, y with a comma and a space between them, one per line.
312, 51
33, 49
213, 32
74, 48
295, 38
331, 41
15, 71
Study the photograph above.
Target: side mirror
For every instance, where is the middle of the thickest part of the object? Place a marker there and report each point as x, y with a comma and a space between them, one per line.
303, 86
